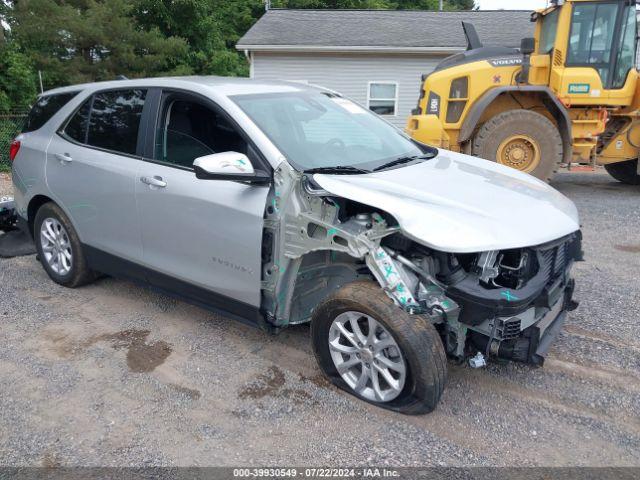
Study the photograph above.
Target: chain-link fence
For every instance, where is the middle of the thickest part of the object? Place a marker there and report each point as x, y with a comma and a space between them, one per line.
10, 126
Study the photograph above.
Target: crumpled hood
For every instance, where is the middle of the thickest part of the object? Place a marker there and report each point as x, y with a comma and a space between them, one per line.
461, 204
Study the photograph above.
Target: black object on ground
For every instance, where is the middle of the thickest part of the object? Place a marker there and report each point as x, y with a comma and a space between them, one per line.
15, 244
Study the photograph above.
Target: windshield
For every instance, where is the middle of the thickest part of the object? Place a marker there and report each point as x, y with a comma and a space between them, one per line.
319, 130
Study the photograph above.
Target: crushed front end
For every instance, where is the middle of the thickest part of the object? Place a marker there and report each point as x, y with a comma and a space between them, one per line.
506, 304
502, 304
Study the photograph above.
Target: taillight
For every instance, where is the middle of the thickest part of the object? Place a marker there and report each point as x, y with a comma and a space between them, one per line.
14, 148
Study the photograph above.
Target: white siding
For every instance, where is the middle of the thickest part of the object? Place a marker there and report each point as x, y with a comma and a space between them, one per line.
350, 74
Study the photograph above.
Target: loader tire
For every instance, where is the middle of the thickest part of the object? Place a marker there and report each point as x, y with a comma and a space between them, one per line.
521, 139
625, 172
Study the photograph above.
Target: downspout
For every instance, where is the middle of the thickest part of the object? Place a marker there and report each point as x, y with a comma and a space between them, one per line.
249, 58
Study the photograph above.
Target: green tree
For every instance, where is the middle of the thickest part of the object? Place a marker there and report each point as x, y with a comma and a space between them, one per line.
18, 84
210, 27
75, 41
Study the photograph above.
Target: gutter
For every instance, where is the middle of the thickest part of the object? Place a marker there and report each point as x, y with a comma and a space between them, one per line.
349, 48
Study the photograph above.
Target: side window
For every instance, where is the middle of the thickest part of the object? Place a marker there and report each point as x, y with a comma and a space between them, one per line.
383, 98
45, 108
114, 120
627, 49
548, 33
188, 130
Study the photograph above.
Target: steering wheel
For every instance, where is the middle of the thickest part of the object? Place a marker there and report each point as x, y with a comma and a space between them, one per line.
332, 143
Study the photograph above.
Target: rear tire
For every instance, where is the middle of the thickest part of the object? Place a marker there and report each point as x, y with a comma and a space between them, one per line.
625, 172
419, 349
59, 248
521, 139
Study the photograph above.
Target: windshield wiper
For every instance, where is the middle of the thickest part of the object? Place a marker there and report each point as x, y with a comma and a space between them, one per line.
402, 160
338, 170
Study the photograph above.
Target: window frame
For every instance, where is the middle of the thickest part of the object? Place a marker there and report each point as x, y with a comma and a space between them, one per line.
155, 119
90, 98
395, 99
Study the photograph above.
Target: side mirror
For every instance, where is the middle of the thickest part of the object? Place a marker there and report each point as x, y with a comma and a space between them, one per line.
228, 166
527, 46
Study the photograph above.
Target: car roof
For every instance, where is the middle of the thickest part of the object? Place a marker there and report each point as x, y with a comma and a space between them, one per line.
226, 86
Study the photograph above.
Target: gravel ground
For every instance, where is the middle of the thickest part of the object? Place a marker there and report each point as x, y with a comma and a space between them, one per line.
116, 375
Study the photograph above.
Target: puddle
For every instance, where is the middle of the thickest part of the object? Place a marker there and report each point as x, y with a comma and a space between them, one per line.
628, 248
142, 357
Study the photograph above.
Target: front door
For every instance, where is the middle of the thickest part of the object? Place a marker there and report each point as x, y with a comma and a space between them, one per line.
202, 238
91, 168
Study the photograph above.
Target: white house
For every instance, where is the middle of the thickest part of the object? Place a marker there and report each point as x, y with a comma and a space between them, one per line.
376, 57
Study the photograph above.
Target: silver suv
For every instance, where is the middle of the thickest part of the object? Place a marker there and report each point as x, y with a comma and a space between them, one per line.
280, 203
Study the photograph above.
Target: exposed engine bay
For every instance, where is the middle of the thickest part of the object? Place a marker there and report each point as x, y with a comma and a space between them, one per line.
505, 304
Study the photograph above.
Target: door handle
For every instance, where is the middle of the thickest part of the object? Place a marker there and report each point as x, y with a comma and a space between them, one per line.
154, 181
64, 157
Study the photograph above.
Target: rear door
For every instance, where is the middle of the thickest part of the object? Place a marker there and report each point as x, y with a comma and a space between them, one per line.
203, 237
91, 170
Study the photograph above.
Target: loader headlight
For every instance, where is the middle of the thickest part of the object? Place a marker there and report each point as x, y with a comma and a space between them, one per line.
459, 88
458, 96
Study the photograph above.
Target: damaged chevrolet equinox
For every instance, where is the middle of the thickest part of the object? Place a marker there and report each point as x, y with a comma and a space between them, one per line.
281, 203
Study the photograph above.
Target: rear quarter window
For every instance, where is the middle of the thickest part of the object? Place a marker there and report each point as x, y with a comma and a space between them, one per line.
45, 108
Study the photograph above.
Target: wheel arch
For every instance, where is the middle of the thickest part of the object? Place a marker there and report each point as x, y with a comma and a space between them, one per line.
557, 110
318, 275
32, 209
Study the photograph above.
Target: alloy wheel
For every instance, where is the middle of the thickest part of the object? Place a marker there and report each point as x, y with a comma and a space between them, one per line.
367, 357
56, 246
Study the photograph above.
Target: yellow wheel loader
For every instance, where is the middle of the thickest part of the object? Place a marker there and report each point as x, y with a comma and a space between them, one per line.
571, 94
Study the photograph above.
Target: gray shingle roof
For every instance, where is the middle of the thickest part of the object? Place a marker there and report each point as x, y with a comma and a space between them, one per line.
386, 28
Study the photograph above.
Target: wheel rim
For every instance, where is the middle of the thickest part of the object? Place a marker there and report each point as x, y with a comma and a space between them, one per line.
367, 357
520, 152
56, 246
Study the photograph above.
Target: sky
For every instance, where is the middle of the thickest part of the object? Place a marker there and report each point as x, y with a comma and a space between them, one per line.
511, 4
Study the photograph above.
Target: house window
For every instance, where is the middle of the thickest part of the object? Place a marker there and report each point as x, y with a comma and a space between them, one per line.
383, 98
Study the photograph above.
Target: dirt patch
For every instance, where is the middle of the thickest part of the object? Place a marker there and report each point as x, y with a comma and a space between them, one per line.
270, 384
318, 380
191, 393
265, 384
5, 184
628, 248
50, 461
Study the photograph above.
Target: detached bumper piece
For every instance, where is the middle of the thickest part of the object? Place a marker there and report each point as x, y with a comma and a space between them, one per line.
15, 241
8, 217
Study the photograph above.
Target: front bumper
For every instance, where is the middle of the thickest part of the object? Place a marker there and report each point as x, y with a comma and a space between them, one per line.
521, 324
531, 344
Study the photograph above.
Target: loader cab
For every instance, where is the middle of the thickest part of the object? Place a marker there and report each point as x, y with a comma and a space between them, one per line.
588, 51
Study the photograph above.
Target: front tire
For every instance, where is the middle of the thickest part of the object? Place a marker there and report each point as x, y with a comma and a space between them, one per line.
59, 248
369, 347
625, 172
520, 139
